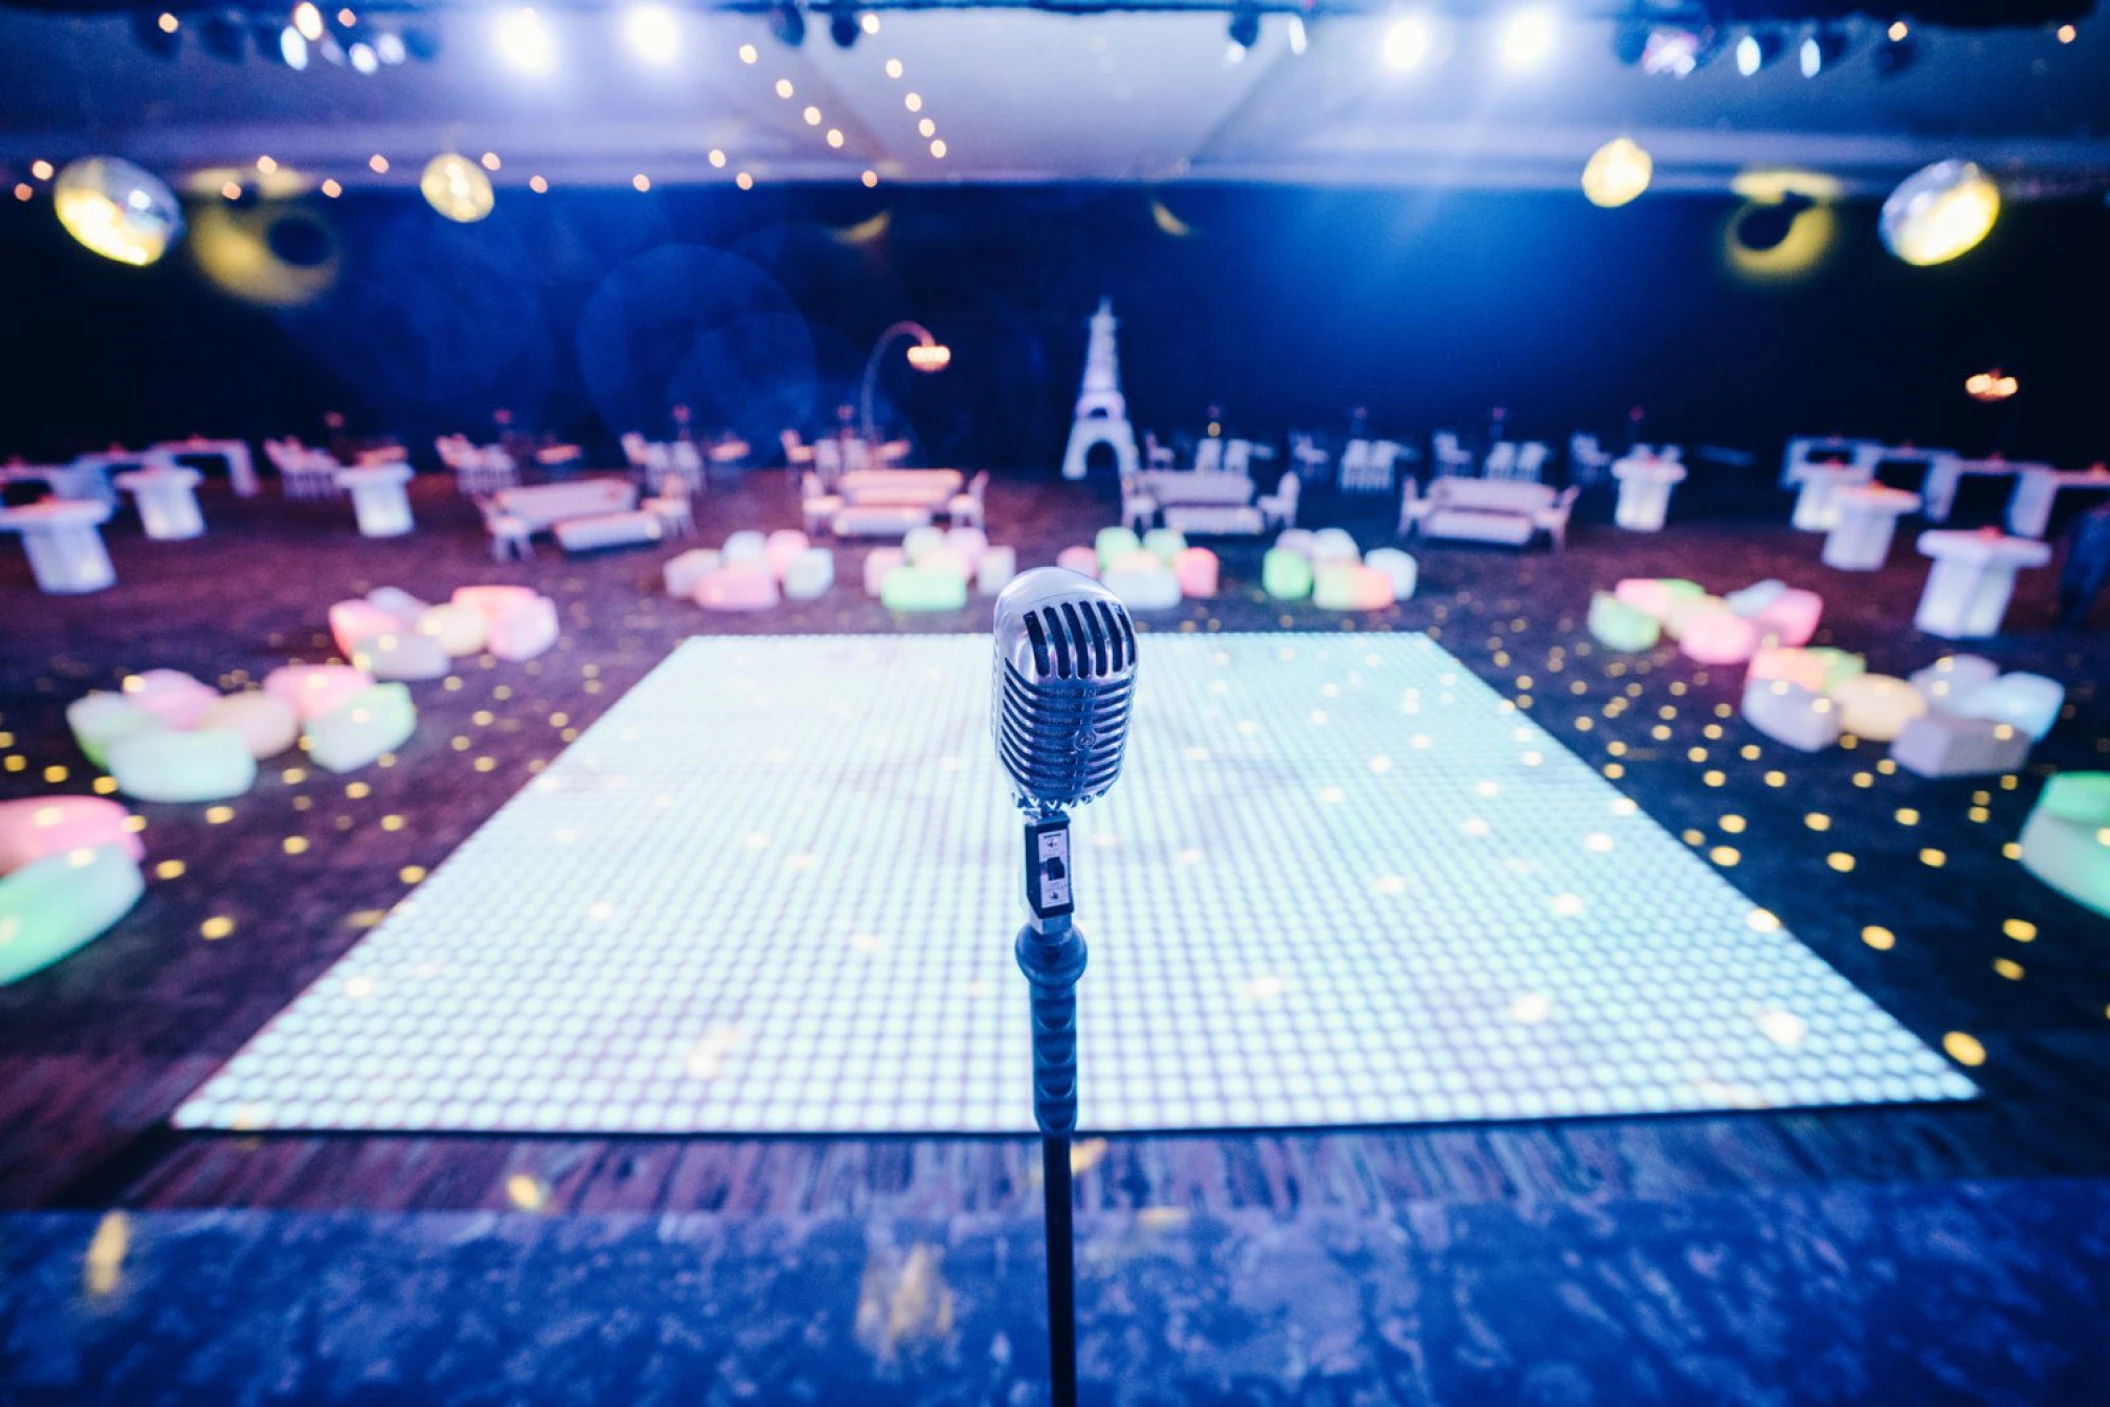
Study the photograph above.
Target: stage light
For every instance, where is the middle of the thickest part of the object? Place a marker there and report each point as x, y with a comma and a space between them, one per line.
869, 22
272, 253
844, 29
161, 40
1991, 386
1821, 51
1618, 172
1898, 30
1409, 40
490, 161
41, 169
308, 20
538, 185
457, 187
717, 157
363, 57
641, 183
1676, 52
1893, 58
1756, 51
169, 23
1939, 213
293, 48
930, 359
1528, 37
331, 189
748, 53
2067, 33
788, 24
937, 148
870, 179
1299, 41
913, 102
653, 33
117, 210
525, 42
378, 164
893, 68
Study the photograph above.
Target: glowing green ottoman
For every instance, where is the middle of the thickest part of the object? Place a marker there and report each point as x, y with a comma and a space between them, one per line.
1165, 544
921, 589
2066, 841
1285, 575
58, 904
1113, 544
208, 764
1617, 625
358, 731
100, 719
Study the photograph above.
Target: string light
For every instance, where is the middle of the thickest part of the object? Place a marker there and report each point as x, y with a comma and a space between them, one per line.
378, 164
331, 189
538, 185
490, 161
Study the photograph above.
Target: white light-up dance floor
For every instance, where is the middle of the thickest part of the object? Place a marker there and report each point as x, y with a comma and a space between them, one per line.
1341, 881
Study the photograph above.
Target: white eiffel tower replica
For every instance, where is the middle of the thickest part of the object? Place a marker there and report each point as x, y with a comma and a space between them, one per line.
1102, 416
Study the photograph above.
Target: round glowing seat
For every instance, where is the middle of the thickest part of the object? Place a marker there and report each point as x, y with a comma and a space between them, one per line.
1114, 542
39, 826
2066, 840
1951, 677
352, 622
316, 689
1143, 583
2029, 701
1297, 540
205, 764
739, 585
380, 498
1791, 617
1350, 586
1752, 599
179, 700
995, 569
399, 603
921, 589
65, 546
808, 576
1718, 636
1198, 571
968, 541
459, 630
1877, 706
783, 545
267, 723
1082, 560
1683, 610
880, 563
54, 906
99, 719
358, 731
1621, 625
1165, 544
493, 601
746, 546
1399, 568
1285, 575
1332, 545
1788, 713
397, 653
918, 543
523, 629
1656, 595
682, 574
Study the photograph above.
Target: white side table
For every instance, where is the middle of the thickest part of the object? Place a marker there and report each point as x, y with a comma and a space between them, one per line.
1644, 492
66, 553
168, 501
1868, 519
1947, 476
2037, 488
379, 498
241, 467
1817, 504
1973, 578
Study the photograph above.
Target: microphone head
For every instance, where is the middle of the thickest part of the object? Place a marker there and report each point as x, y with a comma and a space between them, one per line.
1064, 678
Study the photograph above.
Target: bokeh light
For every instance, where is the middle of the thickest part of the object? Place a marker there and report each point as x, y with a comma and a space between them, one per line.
457, 187
119, 210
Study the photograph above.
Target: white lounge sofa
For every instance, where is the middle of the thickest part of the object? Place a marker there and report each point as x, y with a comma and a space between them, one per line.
1489, 510
543, 506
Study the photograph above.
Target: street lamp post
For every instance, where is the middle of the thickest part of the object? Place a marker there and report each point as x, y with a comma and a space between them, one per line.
928, 356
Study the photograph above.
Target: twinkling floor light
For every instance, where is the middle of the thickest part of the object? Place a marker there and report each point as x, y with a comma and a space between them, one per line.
746, 901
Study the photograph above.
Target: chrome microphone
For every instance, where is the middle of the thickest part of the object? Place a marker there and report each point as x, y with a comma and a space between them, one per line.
1063, 681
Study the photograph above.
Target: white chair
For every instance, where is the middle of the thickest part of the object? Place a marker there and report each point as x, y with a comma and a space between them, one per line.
1238, 457
672, 507
1355, 466
1157, 456
1279, 509
307, 473
1209, 456
965, 509
1138, 509
1452, 458
688, 463
828, 460
1588, 461
1531, 461
1384, 464
816, 505
1409, 511
510, 532
857, 456
1309, 460
1501, 462
796, 454
1553, 520
635, 451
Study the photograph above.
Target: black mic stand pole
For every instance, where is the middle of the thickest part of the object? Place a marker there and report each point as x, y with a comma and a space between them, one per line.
1051, 954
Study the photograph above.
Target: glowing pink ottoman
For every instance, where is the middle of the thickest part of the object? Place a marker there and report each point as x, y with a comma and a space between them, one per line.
783, 545
880, 563
354, 621
739, 586
523, 629
1082, 560
316, 689
1197, 570
1718, 636
38, 826
1791, 617
170, 695
491, 601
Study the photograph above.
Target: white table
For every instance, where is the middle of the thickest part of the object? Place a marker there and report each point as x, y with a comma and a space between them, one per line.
379, 499
1948, 472
2037, 488
66, 553
241, 468
1817, 505
1645, 484
1867, 520
168, 501
1174, 487
1973, 578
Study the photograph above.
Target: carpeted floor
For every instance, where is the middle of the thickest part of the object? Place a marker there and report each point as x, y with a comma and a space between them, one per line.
1906, 890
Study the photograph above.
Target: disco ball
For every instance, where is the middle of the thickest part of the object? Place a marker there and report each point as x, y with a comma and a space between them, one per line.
1940, 212
116, 209
457, 187
1618, 172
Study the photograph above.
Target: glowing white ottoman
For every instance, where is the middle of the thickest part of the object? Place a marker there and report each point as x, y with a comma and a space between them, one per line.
683, 574
994, 570
1790, 714
1945, 682
1946, 745
1877, 706
2029, 701
208, 764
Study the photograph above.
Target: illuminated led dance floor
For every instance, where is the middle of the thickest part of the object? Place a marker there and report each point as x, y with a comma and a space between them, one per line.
1341, 881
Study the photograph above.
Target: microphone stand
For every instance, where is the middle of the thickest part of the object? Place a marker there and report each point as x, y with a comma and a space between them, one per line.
1051, 953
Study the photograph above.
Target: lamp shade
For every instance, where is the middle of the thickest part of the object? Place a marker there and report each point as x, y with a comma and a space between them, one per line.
1618, 172
117, 209
1940, 212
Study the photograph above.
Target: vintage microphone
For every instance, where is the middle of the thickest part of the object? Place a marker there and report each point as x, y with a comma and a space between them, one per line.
1063, 680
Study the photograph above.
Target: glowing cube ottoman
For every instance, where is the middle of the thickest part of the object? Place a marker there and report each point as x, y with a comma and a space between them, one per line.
1656, 595
745, 584
39, 826
1113, 543
54, 906
1082, 560
176, 698
1718, 636
2066, 840
316, 689
994, 570
684, 573
809, 574
357, 732
267, 723
1790, 714
1399, 569
1143, 582
1621, 625
1350, 586
1877, 706
1947, 745
1949, 679
1285, 575
924, 589
2029, 701
206, 764
99, 719
1198, 572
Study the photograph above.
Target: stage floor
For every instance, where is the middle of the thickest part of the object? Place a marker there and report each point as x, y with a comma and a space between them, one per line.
1341, 882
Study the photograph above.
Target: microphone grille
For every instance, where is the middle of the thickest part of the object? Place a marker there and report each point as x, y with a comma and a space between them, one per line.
1065, 677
